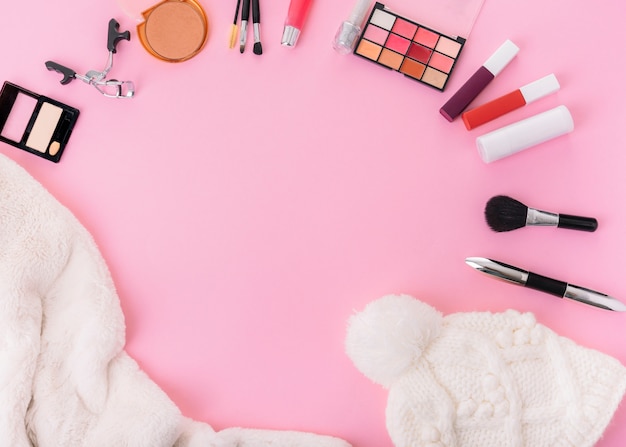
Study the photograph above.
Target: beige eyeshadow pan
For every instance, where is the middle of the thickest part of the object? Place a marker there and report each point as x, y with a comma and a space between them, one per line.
40, 136
448, 47
434, 77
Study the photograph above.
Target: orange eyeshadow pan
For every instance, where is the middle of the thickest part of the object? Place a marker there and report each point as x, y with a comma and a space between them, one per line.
369, 50
416, 51
390, 58
412, 68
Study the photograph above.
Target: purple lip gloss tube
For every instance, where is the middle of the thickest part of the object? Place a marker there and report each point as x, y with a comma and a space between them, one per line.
479, 80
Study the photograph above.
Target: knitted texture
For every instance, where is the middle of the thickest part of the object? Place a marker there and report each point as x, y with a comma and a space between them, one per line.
481, 379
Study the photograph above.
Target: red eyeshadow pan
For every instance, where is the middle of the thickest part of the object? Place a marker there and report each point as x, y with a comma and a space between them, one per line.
419, 53
426, 37
404, 28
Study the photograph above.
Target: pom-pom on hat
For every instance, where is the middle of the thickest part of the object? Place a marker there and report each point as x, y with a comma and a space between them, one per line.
482, 379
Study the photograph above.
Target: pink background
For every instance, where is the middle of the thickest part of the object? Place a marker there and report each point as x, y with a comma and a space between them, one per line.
247, 205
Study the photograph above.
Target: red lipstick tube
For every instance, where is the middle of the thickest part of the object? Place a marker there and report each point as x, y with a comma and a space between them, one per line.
511, 101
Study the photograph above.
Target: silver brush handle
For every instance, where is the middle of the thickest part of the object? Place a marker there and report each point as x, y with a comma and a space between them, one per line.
536, 217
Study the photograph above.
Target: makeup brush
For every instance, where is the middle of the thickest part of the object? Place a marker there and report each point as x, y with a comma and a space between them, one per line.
504, 213
245, 14
256, 23
234, 28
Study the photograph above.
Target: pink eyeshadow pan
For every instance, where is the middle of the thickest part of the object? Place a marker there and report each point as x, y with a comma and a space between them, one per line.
441, 62
397, 43
404, 28
449, 47
426, 37
376, 34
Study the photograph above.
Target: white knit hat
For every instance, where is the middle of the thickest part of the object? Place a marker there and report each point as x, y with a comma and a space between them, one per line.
481, 379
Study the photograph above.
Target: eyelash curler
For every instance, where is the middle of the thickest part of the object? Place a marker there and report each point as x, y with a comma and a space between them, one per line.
111, 88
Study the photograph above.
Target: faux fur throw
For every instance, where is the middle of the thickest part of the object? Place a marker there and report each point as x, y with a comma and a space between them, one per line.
65, 379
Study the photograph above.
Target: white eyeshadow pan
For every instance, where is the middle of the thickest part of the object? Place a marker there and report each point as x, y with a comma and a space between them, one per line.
383, 19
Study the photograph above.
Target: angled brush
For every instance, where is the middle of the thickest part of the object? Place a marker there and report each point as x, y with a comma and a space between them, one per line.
504, 213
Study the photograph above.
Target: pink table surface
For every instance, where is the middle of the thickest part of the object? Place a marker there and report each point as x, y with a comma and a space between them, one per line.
247, 206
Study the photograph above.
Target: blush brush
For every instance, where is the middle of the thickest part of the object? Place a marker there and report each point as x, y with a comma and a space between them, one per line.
504, 213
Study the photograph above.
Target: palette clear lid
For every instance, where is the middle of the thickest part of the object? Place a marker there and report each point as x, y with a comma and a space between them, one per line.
455, 18
134, 8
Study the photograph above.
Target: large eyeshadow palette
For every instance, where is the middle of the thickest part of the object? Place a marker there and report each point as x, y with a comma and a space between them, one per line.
407, 47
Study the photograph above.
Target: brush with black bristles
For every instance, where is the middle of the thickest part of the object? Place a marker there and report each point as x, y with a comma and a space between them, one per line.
504, 213
256, 23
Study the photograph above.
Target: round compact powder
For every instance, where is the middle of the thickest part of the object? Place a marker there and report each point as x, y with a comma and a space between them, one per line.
174, 30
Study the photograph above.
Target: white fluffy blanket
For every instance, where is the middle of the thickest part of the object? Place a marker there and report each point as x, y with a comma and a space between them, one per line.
65, 379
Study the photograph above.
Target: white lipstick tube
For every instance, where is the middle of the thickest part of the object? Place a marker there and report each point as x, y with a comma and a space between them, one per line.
523, 134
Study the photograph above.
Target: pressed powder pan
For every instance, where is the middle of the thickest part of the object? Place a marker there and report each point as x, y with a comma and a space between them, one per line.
174, 30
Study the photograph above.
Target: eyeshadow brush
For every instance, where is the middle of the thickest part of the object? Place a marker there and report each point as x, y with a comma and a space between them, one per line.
245, 15
504, 213
234, 28
256, 23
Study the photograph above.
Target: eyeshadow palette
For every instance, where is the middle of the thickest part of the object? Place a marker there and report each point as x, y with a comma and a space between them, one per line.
35, 123
407, 47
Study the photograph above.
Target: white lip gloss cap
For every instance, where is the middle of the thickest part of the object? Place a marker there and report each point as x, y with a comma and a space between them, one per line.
501, 58
540, 88
523, 134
